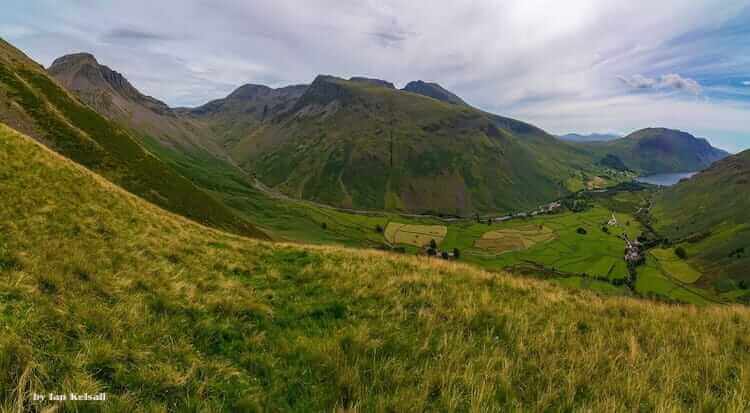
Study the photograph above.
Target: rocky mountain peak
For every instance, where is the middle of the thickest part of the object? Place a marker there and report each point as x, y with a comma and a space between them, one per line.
434, 91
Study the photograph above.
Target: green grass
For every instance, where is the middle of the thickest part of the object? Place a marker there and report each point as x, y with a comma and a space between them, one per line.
109, 293
594, 253
652, 281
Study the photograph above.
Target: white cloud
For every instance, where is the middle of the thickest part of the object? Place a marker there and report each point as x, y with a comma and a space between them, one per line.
746, 83
510, 57
669, 81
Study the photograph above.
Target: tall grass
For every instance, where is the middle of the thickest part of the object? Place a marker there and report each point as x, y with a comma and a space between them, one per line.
109, 293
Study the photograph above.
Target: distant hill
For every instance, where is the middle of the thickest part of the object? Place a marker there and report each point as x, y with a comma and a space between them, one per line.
365, 145
34, 103
591, 137
434, 91
710, 214
658, 150
111, 95
103, 292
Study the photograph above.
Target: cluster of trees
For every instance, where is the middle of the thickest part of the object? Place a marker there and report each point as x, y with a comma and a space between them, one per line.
433, 251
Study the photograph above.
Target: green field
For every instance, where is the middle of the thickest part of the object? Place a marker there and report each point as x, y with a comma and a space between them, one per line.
675, 267
653, 282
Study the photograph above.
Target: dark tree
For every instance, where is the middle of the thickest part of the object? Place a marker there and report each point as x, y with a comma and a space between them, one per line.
680, 252
433, 244
324, 225
445, 255
581, 231
456, 253
431, 252
378, 229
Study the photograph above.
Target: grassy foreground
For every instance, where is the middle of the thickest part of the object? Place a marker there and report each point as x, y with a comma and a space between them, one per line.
101, 291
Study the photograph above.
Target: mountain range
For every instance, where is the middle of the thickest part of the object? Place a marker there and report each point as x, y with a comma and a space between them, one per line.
435, 153
321, 142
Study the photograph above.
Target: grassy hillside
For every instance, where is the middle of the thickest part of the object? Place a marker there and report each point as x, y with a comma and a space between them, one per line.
657, 150
101, 291
34, 103
709, 216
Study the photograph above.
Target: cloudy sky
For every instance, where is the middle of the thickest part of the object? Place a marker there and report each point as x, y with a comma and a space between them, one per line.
566, 66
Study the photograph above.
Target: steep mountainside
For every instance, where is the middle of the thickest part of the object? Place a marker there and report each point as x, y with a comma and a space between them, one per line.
659, 150
103, 292
364, 145
232, 118
434, 91
32, 102
709, 215
592, 137
112, 96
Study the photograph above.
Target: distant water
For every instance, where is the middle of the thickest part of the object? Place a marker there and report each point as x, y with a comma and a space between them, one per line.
665, 179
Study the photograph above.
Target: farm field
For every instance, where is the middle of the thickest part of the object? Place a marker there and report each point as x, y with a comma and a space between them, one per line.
653, 282
558, 244
415, 235
673, 266
503, 240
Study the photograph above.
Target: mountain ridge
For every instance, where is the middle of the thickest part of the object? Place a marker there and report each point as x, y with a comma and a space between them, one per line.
658, 150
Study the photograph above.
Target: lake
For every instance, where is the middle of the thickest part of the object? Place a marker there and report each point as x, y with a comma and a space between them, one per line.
665, 179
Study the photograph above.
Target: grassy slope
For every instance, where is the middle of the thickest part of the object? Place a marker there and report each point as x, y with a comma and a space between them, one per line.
32, 101
100, 291
713, 210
